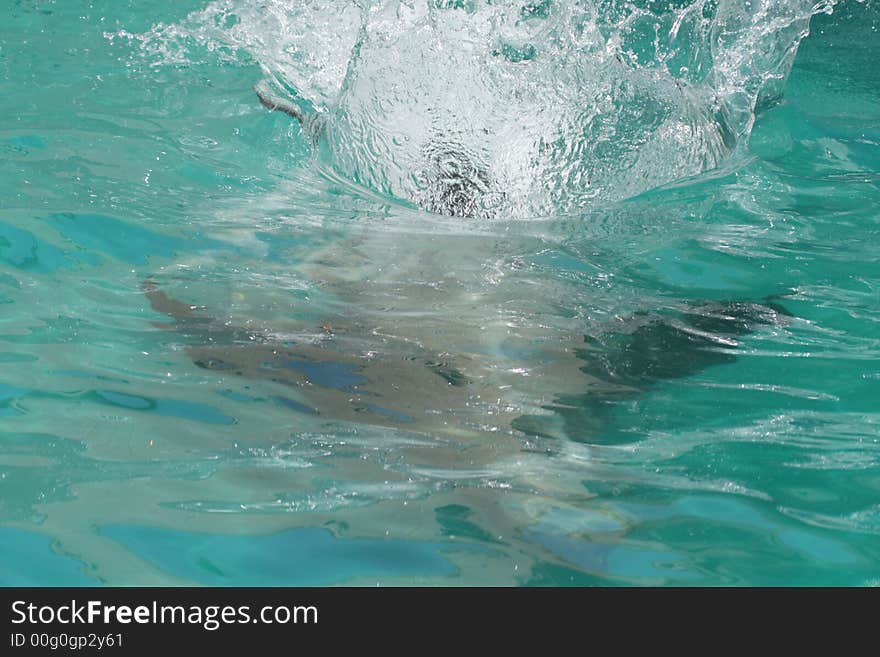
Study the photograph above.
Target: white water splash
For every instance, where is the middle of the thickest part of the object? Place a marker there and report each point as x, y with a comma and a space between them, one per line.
513, 108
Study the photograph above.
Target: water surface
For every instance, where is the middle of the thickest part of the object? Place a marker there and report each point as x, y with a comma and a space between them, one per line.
235, 350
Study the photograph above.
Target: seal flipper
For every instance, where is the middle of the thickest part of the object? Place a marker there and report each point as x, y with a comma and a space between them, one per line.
162, 303
279, 105
649, 349
189, 322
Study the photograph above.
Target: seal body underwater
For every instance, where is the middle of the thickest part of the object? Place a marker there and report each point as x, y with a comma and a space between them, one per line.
348, 374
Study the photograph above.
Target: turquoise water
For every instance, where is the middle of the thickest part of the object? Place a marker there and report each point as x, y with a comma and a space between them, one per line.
239, 351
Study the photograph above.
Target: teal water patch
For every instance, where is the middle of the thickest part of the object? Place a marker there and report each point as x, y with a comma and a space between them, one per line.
9, 411
203, 175
12, 357
545, 573
19, 144
234, 395
635, 564
131, 243
186, 410
28, 141
692, 267
195, 411
294, 405
38, 469
626, 547
21, 249
126, 401
308, 556
734, 513
395, 416
8, 394
85, 374
458, 521
329, 374
27, 559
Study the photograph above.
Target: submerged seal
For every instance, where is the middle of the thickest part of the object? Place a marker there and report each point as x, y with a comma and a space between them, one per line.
396, 384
